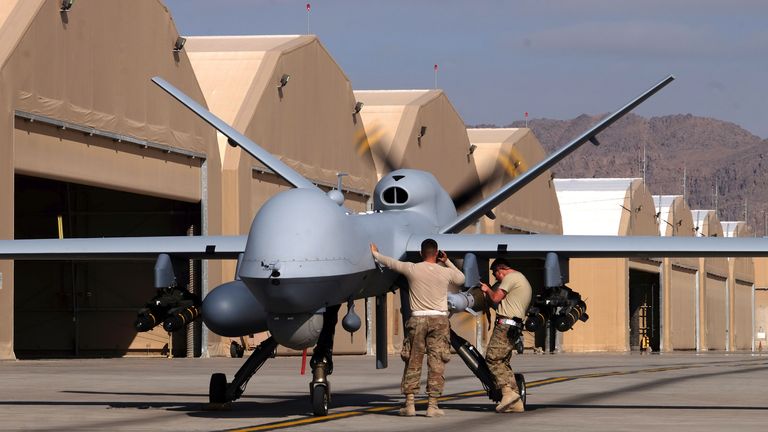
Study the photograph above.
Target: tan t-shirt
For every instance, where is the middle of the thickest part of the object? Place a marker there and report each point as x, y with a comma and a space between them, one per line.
429, 282
515, 303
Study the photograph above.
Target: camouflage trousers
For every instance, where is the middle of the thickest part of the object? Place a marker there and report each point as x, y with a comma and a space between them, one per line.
497, 356
425, 335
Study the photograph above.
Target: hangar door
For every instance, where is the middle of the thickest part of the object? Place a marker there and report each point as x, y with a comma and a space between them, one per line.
682, 309
716, 311
66, 308
742, 309
644, 329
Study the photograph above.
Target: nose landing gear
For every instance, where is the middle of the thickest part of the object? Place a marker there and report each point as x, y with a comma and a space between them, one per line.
320, 389
322, 363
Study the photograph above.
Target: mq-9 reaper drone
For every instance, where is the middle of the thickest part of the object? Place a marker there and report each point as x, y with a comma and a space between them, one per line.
306, 255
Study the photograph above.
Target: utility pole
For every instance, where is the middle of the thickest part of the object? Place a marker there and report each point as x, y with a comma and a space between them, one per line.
745, 209
685, 194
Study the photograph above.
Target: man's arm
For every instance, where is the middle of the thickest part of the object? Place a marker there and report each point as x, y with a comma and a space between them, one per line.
456, 276
496, 296
396, 265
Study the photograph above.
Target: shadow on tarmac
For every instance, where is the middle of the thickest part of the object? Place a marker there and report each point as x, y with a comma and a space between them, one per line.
634, 366
656, 383
190, 395
294, 406
586, 401
290, 405
282, 406
658, 407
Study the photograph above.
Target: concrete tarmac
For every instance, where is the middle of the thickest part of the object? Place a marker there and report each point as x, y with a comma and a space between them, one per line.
594, 392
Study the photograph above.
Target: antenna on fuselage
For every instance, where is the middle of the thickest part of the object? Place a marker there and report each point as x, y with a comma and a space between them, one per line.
336, 194
340, 176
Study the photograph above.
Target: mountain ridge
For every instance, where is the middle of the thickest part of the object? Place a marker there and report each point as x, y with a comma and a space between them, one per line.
709, 151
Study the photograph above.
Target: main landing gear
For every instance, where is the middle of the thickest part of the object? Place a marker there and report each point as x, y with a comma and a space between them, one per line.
220, 392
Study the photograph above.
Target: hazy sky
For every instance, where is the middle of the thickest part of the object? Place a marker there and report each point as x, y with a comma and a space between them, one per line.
552, 58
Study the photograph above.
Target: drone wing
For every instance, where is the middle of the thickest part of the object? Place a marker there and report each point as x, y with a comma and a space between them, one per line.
574, 246
488, 204
207, 247
236, 138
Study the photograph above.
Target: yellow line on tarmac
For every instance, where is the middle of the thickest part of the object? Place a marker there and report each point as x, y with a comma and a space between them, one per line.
299, 422
464, 395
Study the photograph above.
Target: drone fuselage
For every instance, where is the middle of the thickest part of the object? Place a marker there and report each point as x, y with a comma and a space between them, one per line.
306, 252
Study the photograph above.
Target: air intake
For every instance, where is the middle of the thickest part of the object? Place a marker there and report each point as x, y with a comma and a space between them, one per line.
394, 195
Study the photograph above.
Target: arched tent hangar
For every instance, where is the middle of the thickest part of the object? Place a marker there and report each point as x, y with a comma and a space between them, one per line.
713, 287
95, 149
741, 292
679, 277
622, 295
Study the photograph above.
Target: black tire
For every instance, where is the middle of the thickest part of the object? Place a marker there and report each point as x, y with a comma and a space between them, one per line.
520, 380
320, 399
235, 350
217, 391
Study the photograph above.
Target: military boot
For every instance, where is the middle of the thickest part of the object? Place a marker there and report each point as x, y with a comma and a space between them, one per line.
432, 409
409, 407
510, 401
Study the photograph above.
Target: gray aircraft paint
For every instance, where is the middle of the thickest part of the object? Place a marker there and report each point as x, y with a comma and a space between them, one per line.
212, 247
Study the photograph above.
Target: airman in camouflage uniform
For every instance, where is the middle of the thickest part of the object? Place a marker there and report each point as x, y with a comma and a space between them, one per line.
427, 330
513, 297
497, 355
425, 335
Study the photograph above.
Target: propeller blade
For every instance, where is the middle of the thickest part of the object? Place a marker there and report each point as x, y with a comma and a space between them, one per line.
473, 191
371, 141
509, 162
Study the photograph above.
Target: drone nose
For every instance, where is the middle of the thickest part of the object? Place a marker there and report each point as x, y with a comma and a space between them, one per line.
301, 249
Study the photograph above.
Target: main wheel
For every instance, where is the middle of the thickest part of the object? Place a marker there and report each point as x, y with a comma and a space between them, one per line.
520, 380
320, 400
217, 391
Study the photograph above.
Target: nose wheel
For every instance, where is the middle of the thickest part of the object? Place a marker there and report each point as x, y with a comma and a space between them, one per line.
320, 389
320, 398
